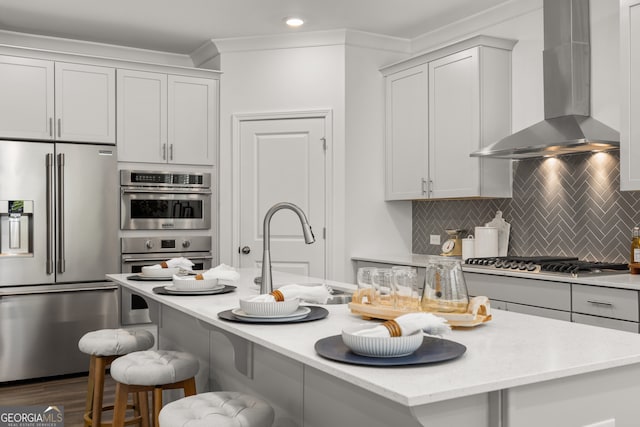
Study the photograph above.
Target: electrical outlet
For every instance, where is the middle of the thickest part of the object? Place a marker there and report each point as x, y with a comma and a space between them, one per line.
434, 239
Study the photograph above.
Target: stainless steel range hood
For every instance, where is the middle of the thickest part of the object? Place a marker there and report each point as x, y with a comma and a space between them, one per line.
568, 127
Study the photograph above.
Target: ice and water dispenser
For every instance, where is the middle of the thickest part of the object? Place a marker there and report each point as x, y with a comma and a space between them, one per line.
16, 227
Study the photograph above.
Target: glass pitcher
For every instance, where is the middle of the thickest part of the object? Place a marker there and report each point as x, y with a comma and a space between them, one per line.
445, 289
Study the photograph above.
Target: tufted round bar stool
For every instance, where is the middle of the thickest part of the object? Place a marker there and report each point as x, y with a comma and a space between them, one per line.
104, 346
220, 409
155, 371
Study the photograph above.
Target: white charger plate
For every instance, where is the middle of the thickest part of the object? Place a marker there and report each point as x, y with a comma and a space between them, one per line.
301, 312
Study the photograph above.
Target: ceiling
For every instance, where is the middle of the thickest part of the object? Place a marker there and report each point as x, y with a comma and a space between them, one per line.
181, 26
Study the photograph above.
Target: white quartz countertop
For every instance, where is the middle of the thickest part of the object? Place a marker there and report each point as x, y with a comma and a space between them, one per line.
623, 280
511, 350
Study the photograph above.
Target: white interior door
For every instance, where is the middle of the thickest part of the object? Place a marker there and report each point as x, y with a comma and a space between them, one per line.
283, 160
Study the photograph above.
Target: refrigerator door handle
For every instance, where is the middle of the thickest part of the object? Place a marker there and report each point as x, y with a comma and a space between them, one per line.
50, 214
61, 259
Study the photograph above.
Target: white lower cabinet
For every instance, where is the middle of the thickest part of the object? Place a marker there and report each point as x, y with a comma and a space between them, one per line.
592, 305
606, 307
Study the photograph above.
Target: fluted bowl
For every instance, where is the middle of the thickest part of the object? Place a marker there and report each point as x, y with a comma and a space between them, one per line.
381, 346
160, 272
269, 308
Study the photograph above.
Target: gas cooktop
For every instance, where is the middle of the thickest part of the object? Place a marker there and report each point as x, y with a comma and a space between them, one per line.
566, 266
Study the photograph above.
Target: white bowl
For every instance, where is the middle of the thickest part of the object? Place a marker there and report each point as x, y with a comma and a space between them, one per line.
160, 272
381, 346
191, 284
269, 308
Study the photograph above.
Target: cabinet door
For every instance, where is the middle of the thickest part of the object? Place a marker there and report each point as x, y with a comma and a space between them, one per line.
85, 103
406, 139
26, 100
142, 116
630, 95
192, 120
454, 125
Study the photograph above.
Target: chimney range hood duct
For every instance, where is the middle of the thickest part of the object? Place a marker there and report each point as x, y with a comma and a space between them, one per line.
568, 128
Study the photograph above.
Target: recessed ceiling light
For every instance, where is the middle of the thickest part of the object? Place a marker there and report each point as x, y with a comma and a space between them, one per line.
294, 22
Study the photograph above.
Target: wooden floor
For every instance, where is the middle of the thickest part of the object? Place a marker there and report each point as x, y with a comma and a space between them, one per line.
69, 392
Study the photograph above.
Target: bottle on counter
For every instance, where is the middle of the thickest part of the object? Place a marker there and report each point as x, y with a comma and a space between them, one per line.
635, 245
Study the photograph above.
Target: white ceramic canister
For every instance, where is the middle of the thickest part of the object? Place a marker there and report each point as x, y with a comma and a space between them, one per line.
486, 242
468, 247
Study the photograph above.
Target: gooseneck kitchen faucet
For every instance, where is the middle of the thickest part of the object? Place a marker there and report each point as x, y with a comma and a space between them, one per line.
265, 281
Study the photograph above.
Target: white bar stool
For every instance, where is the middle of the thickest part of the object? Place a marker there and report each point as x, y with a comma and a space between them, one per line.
220, 409
155, 371
104, 346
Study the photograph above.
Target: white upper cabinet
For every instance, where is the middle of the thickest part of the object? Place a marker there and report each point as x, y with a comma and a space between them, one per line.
192, 120
142, 116
630, 95
166, 118
407, 134
26, 100
48, 100
85, 103
442, 106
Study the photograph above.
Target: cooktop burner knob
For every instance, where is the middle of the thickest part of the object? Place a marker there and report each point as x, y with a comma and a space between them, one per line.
149, 244
522, 265
530, 266
499, 264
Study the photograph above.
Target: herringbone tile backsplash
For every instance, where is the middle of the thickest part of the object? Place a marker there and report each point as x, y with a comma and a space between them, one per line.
568, 206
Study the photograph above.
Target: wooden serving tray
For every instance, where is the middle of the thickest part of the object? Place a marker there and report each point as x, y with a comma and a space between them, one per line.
479, 312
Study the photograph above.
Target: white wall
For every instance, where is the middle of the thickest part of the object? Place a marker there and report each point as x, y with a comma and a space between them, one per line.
373, 225
341, 77
280, 80
526, 26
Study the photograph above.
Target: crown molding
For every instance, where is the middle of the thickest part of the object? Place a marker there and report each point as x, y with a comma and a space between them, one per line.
473, 25
81, 47
302, 40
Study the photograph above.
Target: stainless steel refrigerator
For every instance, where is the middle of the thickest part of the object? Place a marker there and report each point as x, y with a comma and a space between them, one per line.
58, 239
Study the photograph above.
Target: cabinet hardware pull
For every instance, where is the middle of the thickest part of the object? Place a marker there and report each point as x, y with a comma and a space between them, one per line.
51, 127
59, 128
607, 304
164, 151
430, 187
171, 152
424, 190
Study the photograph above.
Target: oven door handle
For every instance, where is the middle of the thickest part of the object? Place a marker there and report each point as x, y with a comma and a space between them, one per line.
129, 260
165, 191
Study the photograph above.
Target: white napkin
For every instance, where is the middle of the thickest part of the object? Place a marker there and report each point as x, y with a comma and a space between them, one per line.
221, 272
181, 262
317, 294
410, 323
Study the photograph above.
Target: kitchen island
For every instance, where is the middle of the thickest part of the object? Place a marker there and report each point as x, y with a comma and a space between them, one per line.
518, 370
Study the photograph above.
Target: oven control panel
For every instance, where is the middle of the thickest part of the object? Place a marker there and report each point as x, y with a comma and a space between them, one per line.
133, 245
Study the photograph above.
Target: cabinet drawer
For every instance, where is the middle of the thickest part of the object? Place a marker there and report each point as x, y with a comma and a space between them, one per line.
538, 311
540, 293
605, 302
621, 325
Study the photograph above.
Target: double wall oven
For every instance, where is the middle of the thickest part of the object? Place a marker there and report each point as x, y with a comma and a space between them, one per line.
153, 202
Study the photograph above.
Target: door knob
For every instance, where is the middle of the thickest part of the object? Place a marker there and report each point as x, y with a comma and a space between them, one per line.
245, 250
